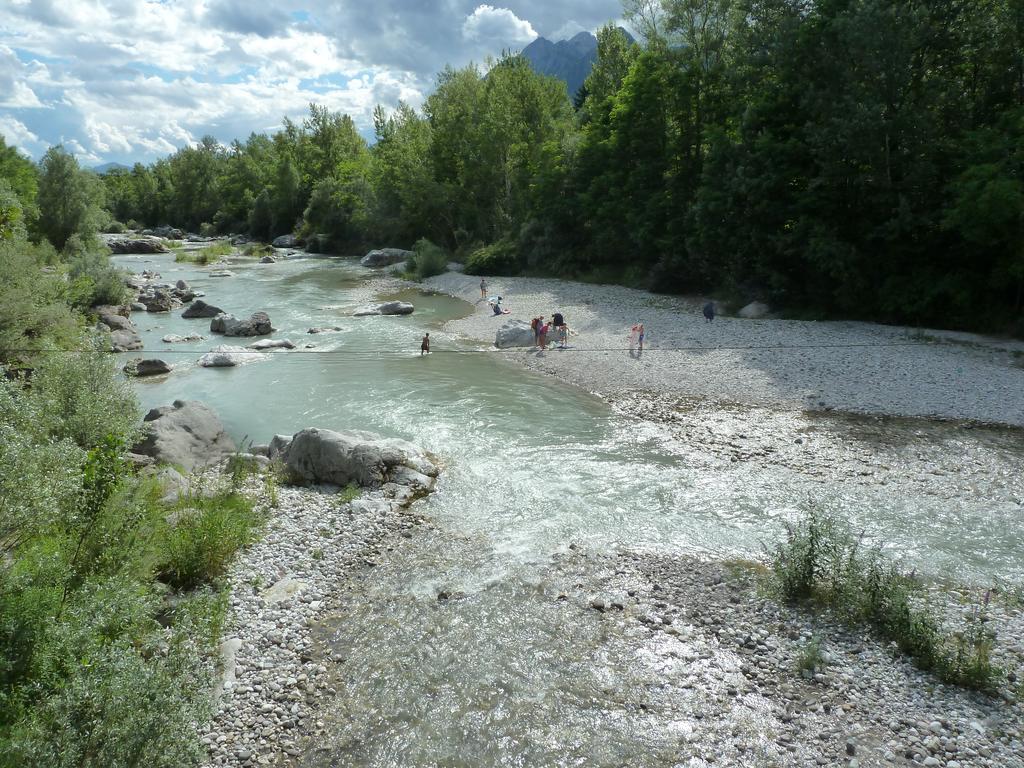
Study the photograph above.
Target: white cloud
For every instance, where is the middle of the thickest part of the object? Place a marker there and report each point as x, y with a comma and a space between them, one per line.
497, 25
136, 79
17, 134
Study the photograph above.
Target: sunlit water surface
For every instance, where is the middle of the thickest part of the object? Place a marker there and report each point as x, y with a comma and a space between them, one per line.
503, 676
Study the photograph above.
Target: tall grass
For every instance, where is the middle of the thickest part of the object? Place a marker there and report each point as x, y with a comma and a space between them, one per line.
205, 255
198, 548
822, 564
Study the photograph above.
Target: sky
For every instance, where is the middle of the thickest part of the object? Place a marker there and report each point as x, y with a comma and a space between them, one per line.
134, 80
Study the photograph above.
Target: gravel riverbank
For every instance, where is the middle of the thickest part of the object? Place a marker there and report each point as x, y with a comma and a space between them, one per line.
845, 366
315, 545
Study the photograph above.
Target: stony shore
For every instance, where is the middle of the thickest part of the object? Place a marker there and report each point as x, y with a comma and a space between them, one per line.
727, 655
272, 682
842, 366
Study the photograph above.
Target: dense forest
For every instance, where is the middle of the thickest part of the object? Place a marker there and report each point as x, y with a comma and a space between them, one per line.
844, 158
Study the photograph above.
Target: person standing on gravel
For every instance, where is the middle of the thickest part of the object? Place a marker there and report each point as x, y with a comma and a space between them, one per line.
483, 288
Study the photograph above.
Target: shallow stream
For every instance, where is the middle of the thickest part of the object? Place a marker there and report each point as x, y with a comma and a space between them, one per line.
531, 466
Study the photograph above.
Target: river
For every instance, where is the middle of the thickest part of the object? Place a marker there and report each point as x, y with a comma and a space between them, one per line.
532, 466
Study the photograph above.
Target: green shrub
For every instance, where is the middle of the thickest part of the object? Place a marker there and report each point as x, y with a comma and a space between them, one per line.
34, 313
94, 280
207, 254
429, 260
206, 229
80, 397
348, 494
209, 531
822, 563
498, 258
258, 249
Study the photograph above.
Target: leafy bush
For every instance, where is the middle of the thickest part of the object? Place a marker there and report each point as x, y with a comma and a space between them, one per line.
95, 280
258, 249
823, 563
81, 398
495, 259
429, 260
207, 254
209, 531
206, 229
34, 314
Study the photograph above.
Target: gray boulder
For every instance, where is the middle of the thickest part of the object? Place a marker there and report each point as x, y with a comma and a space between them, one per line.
185, 434
138, 245
172, 338
387, 308
227, 357
340, 458
272, 344
324, 329
229, 325
285, 241
125, 341
159, 302
150, 367
754, 311
385, 257
117, 322
278, 446
181, 285
200, 308
268, 260
514, 333
172, 233
137, 306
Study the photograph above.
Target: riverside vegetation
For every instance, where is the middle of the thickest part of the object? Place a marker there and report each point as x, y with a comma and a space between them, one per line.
823, 563
111, 602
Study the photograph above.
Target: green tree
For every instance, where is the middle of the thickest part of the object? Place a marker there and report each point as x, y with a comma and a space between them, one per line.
70, 199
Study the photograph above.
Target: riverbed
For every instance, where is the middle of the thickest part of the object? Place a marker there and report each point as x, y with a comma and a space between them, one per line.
459, 650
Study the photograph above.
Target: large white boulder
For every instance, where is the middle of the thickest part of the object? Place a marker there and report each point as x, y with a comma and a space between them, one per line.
387, 308
385, 257
224, 356
323, 456
514, 333
186, 434
229, 325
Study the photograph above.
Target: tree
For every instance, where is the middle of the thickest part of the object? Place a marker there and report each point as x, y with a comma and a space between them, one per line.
70, 199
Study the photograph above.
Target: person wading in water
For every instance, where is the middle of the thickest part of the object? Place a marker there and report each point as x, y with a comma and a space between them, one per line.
425, 345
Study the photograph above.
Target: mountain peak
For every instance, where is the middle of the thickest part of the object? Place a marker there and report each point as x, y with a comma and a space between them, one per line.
569, 60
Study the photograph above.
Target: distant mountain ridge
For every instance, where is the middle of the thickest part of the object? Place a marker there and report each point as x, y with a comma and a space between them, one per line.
570, 60
108, 167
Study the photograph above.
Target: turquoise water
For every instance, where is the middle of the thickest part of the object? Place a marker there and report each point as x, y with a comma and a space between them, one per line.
505, 675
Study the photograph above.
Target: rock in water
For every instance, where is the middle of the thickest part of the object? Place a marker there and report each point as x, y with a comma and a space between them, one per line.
285, 241
150, 367
158, 302
185, 434
175, 339
268, 260
754, 311
228, 357
138, 245
229, 325
384, 257
323, 456
514, 333
125, 341
272, 344
200, 308
388, 308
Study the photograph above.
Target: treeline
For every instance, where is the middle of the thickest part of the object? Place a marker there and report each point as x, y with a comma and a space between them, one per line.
853, 158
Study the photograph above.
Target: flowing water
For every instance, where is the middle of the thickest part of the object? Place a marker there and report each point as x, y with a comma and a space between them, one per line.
502, 676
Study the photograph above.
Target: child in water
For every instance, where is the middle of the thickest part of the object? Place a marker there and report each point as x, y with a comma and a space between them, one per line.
425, 345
